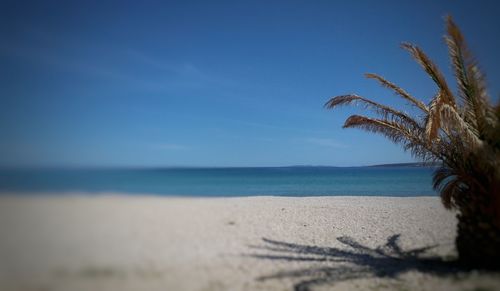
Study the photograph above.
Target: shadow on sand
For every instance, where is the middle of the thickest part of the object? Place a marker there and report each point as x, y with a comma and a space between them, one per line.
354, 262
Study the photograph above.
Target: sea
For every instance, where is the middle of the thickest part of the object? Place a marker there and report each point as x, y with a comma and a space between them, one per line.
224, 182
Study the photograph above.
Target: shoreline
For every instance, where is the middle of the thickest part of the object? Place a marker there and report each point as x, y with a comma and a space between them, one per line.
4, 193
130, 242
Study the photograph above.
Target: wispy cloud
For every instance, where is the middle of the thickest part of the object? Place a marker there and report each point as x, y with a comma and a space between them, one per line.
50, 58
185, 72
132, 67
169, 146
325, 142
163, 65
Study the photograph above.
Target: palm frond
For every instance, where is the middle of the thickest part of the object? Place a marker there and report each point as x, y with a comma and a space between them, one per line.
393, 130
432, 70
445, 181
471, 84
454, 122
485, 110
398, 91
433, 122
385, 111
411, 138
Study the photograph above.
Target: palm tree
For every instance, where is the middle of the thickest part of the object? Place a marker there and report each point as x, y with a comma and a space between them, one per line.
463, 133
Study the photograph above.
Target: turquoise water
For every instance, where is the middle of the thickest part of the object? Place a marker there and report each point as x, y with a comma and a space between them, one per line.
285, 181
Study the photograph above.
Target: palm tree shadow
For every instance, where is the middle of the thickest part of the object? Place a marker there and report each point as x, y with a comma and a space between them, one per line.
355, 262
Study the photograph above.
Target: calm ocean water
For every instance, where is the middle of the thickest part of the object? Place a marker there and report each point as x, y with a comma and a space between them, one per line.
285, 181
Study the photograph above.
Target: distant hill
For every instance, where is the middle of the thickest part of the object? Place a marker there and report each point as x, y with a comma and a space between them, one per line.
310, 166
409, 165
398, 165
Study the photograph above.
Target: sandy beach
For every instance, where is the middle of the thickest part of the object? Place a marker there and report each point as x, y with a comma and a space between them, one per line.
120, 242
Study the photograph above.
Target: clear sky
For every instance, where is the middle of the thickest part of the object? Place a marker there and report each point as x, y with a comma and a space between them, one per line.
215, 83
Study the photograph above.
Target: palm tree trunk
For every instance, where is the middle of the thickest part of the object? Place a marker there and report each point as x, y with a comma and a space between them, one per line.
478, 236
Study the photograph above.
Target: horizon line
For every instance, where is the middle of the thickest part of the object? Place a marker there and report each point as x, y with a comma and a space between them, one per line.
76, 167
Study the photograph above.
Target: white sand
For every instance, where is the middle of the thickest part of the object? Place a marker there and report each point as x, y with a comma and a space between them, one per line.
118, 242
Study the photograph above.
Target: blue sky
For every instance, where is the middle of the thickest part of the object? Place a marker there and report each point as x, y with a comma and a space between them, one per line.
215, 83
